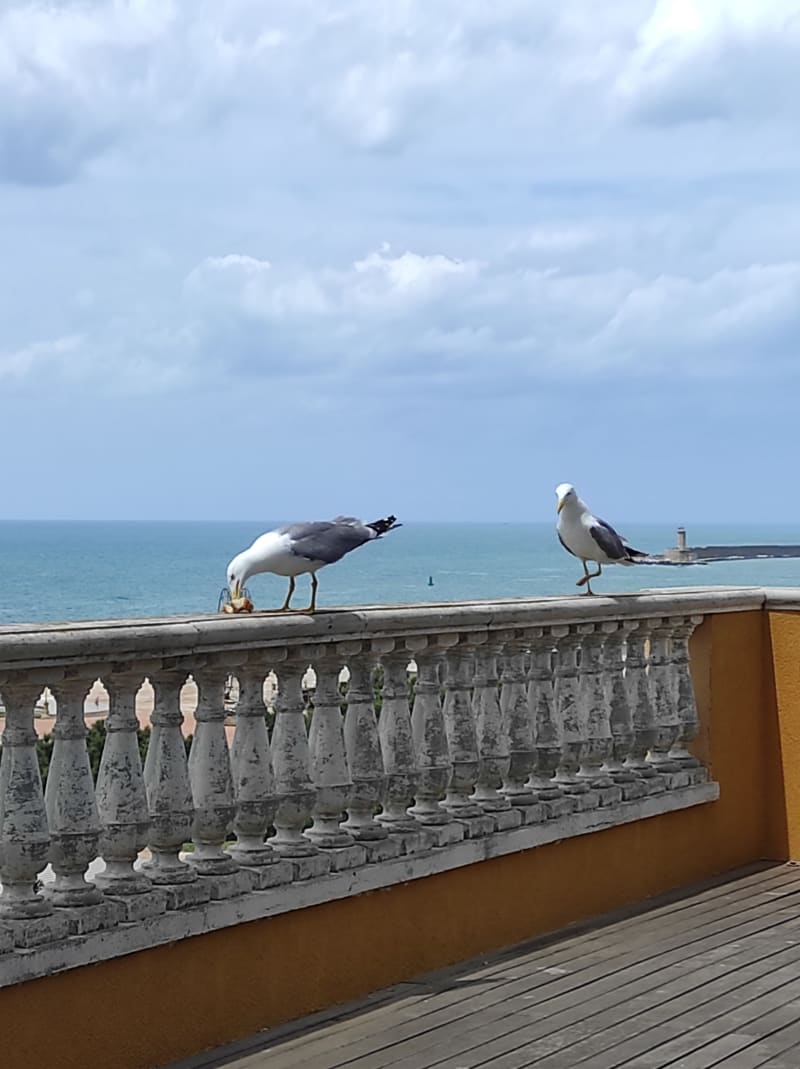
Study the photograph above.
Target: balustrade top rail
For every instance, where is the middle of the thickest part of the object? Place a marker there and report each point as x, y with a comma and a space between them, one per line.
83, 642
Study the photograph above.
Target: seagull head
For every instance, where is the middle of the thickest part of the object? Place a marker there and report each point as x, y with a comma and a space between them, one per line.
566, 493
238, 574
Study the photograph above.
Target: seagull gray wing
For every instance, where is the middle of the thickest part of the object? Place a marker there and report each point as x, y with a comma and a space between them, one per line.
326, 541
608, 540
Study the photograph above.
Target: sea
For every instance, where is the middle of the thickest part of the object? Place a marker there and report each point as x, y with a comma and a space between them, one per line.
70, 571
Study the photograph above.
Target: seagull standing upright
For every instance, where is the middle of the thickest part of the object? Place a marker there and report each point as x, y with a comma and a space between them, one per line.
303, 547
589, 538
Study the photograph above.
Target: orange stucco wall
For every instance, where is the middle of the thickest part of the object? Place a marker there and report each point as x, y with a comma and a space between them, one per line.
782, 657
159, 1005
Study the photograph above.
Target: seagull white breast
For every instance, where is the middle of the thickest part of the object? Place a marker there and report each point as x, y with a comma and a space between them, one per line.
574, 527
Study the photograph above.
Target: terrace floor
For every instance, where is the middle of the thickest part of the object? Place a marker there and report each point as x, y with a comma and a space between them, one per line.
706, 977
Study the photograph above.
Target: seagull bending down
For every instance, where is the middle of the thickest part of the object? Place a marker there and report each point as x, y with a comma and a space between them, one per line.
589, 538
303, 547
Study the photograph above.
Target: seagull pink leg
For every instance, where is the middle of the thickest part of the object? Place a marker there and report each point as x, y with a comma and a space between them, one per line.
285, 606
589, 576
312, 608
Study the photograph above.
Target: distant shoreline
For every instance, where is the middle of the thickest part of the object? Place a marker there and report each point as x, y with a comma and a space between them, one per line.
683, 554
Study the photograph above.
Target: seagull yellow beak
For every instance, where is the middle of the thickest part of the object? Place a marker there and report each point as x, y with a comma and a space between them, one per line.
237, 590
560, 505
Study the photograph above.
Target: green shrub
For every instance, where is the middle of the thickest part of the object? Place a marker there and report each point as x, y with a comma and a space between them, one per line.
95, 741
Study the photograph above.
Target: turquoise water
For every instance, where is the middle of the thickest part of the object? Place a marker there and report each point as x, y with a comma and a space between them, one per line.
81, 571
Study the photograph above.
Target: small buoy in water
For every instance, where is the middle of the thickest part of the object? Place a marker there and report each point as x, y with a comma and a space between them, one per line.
430, 580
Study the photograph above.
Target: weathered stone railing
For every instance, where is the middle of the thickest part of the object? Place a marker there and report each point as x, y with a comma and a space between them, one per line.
531, 721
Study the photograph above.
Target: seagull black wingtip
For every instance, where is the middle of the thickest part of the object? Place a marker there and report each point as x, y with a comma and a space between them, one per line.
380, 527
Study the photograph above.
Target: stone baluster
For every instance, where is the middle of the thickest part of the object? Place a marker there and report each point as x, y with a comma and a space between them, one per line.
542, 714
641, 704
492, 734
620, 712
520, 727
24, 835
430, 744
72, 815
254, 783
462, 738
329, 770
292, 766
573, 727
684, 695
211, 781
122, 804
661, 677
169, 796
397, 746
594, 715
364, 757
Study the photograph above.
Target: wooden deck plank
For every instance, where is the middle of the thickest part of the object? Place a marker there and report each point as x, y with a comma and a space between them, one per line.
630, 1031
719, 962
631, 927
613, 955
741, 1030
500, 1002
772, 1051
553, 993
570, 948
553, 1032
686, 1039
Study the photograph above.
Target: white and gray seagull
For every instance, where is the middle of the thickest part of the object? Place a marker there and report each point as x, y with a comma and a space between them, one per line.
589, 538
303, 547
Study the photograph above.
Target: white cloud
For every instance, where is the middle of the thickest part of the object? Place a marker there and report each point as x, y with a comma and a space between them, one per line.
379, 285
40, 358
68, 73
121, 358
552, 208
714, 59
83, 78
727, 322
431, 317
374, 105
75, 77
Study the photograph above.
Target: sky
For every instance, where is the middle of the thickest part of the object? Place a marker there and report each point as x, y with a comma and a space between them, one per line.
294, 260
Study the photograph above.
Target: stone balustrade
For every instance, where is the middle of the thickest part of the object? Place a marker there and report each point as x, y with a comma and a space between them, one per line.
523, 722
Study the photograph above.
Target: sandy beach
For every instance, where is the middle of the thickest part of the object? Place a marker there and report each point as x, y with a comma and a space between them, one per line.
96, 706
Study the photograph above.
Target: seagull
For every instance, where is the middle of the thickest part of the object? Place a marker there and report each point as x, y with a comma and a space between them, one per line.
303, 547
589, 538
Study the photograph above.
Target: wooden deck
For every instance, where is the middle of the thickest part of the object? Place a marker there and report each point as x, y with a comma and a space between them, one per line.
710, 977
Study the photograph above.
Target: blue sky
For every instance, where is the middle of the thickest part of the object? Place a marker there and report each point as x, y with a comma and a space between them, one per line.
292, 260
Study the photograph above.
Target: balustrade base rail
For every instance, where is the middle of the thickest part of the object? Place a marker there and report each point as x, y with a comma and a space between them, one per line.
57, 943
